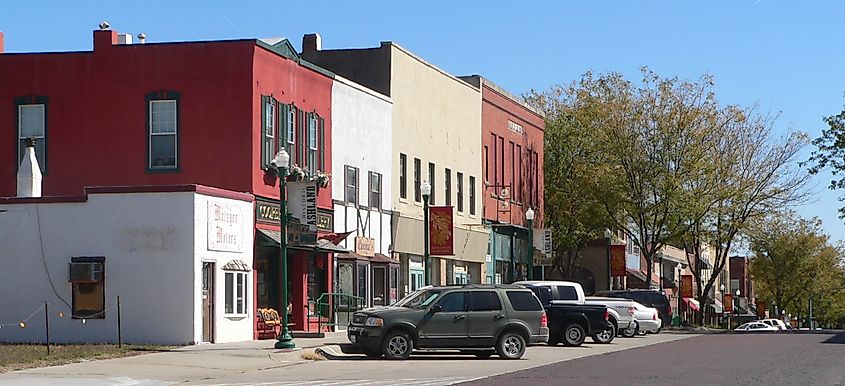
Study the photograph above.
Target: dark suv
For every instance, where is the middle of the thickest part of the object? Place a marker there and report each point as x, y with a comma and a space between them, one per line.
481, 319
648, 298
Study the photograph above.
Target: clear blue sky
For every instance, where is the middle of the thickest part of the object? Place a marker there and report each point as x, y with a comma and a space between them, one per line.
785, 56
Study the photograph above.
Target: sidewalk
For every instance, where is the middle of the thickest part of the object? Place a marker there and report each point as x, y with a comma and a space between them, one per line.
205, 361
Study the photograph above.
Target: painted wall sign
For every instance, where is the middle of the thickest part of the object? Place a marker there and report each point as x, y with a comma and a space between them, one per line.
686, 286
617, 260
365, 246
325, 220
225, 227
441, 232
267, 212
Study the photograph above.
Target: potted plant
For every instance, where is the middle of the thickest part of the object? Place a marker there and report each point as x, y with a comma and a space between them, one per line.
297, 173
322, 179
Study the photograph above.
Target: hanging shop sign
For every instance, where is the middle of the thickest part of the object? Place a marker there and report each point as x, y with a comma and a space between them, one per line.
365, 246
225, 227
441, 231
727, 304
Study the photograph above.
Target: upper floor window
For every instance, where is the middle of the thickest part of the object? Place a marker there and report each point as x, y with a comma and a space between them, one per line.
163, 130
417, 176
471, 195
290, 127
268, 136
32, 123
312, 132
447, 181
375, 190
431, 181
351, 185
403, 176
460, 182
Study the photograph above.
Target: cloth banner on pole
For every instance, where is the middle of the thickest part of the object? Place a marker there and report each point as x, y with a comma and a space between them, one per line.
441, 231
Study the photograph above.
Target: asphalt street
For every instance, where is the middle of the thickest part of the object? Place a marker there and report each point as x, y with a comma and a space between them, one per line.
721, 359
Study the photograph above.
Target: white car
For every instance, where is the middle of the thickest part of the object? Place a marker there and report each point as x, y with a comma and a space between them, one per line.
776, 323
756, 327
647, 319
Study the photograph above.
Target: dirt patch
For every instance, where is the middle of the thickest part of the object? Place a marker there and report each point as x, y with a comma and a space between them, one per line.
24, 356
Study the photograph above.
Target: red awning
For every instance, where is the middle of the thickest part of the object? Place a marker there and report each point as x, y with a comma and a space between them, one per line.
692, 303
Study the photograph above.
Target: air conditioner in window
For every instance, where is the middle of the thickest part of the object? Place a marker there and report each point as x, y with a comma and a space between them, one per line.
89, 272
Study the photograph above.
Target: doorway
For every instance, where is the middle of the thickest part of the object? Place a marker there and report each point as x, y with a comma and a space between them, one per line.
208, 302
379, 286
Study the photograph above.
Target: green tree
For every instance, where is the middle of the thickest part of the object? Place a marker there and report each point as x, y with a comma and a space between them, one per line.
573, 209
830, 153
794, 262
631, 150
747, 172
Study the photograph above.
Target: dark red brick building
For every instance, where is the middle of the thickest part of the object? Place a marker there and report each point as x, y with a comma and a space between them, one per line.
208, 113
512, 164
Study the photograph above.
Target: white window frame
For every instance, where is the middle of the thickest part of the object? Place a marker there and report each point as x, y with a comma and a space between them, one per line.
236, 293
291, 131
269, 120
38, 138
312, 133
174, 134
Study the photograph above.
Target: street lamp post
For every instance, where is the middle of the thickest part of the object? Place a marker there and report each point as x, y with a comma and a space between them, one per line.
727, 321
608, 236
425, 188
529, 216
281, 161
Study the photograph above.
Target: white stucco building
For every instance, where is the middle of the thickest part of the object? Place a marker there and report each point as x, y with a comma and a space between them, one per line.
150, 246
362, 191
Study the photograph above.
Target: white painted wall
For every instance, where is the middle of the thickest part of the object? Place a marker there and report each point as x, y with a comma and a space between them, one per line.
227, 328
152, 252
362, 137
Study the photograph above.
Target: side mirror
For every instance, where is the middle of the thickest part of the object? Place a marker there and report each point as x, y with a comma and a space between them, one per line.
436, 308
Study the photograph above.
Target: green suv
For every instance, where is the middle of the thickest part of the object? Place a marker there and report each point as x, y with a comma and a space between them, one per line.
478, 319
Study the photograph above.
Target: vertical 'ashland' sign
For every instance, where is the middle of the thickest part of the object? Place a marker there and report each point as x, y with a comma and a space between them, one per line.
441, 237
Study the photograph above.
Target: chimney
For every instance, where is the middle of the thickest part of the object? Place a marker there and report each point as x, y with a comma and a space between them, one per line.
29, 174
312, 43
1, 42
124, 39
105, 37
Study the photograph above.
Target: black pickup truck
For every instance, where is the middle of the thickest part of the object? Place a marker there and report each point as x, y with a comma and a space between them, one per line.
571, 323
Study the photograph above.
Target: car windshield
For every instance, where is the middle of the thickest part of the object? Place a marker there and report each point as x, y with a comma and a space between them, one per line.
419, 299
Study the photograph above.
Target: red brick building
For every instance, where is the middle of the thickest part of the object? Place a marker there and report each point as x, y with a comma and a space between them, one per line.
208, 113
512, 164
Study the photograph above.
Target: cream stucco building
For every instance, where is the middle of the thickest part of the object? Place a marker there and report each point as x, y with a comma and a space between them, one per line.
436, 137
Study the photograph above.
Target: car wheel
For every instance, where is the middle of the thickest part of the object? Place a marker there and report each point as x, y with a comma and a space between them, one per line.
397, 345
630, 331
658, 330
573, 335
510, 345
607, 335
